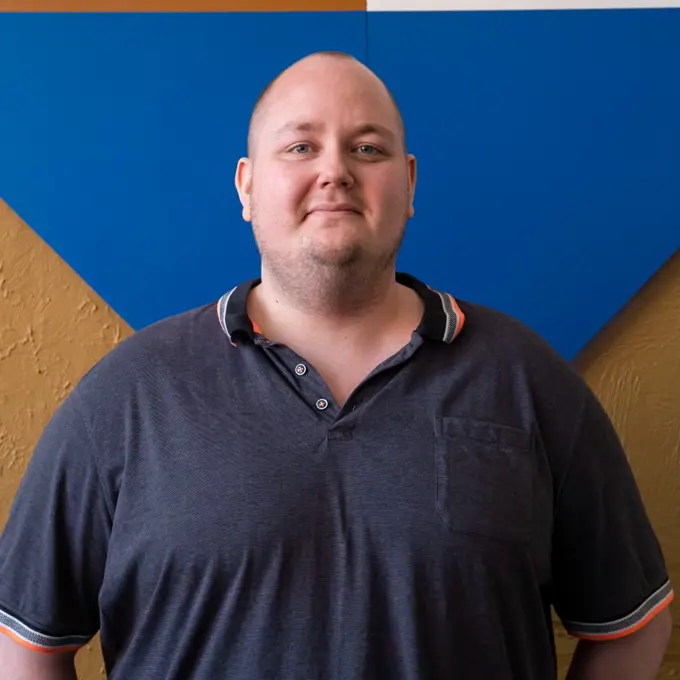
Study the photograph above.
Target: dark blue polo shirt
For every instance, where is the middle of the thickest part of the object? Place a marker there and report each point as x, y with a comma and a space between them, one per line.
201, 501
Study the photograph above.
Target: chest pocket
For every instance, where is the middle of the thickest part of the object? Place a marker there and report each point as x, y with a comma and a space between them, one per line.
484, 476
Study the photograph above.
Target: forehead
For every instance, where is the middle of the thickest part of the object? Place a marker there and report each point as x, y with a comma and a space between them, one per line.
328, 95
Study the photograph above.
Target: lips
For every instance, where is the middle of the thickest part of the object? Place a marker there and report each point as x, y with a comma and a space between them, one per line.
335, 208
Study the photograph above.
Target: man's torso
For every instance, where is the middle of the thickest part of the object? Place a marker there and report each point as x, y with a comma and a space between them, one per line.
262, 532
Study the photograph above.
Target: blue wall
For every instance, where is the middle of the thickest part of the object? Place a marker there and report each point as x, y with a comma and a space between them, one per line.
548, 144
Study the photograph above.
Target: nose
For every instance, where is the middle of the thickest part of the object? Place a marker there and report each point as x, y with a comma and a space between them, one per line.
334, 169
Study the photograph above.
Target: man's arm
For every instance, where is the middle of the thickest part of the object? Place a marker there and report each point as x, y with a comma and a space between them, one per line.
20, 663
53, 551
637, 656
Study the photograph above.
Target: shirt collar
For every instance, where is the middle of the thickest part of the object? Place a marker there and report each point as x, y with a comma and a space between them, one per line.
442, 319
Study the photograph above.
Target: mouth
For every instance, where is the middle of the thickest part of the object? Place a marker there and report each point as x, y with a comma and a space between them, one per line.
333, 215
339, 213
338, 209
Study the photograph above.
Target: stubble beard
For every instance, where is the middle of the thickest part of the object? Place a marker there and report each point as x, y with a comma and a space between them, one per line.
321, 282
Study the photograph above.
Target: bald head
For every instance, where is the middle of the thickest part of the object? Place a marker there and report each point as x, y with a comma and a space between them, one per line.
314, 67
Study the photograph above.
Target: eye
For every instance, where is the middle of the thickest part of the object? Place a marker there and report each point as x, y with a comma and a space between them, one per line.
368, 150
296, 149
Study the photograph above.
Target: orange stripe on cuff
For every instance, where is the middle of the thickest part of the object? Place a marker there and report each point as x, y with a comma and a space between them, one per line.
629, 631
36, 648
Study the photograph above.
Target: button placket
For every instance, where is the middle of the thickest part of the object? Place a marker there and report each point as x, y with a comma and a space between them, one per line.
310, 384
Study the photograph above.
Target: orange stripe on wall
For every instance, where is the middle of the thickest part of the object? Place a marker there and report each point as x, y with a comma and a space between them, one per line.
180, 5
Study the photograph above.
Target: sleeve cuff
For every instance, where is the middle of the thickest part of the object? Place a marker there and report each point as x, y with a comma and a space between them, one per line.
611, 630
37, 641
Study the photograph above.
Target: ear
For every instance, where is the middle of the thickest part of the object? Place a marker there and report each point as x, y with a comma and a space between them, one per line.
411, 160
244, 185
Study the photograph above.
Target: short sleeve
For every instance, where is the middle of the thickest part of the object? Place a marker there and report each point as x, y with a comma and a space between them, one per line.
53, 547
609, 575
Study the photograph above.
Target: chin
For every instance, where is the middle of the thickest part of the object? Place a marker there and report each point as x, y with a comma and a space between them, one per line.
337, 257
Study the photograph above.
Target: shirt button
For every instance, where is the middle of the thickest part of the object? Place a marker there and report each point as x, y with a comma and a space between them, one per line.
301, 369
322, 404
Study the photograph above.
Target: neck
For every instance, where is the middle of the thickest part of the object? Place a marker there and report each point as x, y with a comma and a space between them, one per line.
350, 313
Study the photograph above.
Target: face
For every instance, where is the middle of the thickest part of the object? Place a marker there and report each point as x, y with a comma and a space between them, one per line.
329, 186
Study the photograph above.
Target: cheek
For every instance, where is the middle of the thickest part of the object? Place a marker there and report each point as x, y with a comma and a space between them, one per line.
388, 194
281, 191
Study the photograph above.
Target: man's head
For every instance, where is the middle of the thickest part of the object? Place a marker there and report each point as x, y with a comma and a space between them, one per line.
327, 185
260, 105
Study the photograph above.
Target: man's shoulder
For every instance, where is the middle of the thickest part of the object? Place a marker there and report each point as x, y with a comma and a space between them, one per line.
500, 331
517, 376
173, 345
505, 343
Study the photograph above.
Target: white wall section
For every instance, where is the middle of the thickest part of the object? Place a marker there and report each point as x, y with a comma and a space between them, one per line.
469, 5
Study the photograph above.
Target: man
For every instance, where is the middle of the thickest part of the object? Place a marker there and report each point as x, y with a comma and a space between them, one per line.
335, 472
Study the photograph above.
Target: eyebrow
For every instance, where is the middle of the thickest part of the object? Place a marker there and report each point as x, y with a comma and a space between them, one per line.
308, 126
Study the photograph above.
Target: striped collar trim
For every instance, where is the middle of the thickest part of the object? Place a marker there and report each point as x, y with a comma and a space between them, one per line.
443, 319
